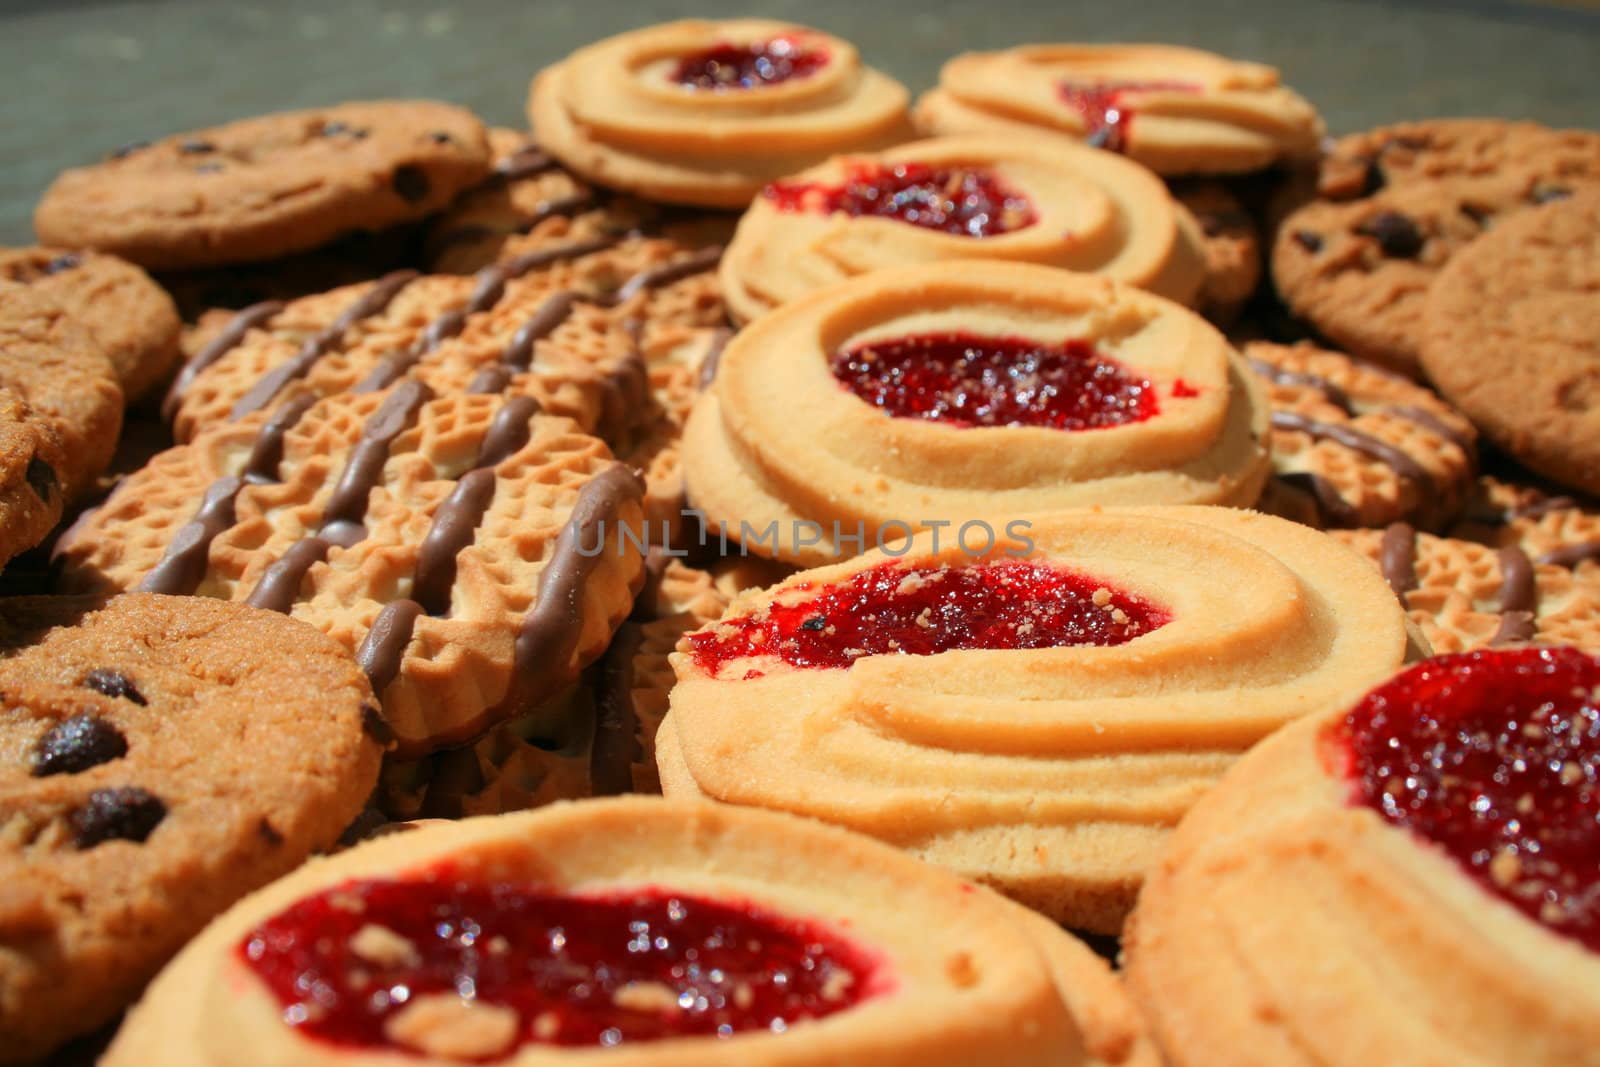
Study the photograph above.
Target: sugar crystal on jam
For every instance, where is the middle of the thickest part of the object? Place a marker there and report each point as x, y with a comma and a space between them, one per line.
961, 201
748, 66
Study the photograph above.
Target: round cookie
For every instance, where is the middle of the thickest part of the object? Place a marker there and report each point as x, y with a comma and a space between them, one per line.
56, 369
1356, 445
130, 317
1410, 153
160, 757
1176, 110
705, 112
1230, 243
1511, 335
268, 186
1546, 525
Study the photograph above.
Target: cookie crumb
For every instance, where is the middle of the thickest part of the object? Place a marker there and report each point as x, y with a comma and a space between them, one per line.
450, 1027
382, 946
646, 996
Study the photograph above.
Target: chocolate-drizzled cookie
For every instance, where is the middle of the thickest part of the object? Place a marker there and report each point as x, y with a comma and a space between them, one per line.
1548, 525
159, 759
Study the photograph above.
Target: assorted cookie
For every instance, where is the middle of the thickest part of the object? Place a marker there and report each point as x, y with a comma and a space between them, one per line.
661, 933
267, 187
979, 197
1230, 243
1410, 879
706, 113
1176, 110
160, 758
923, 396
1547, 525
961, 706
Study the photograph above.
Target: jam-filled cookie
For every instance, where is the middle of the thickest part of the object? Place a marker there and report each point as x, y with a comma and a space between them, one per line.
1053, 203
1176, 110
131, 318
159, 759
1037, 715
707, 112
637, 932
1356, 445
467, 548
1412, 879
1511, 335
925, 395
267, 187
1463, 595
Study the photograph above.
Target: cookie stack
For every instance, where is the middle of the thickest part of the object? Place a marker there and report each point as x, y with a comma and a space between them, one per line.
751, 433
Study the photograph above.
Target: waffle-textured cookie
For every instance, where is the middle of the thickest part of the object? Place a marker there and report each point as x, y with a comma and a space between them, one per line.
641, 933
466, 547
1038, 717
707, 112
65, 406
1230, 243
1547, 525
159, 759
1411, 879
551, 322
919, 396
681, 363
1176, 110
978, 197
1463, 595
130, 317
1511, 335
267, 187
1411, 153
1356, 445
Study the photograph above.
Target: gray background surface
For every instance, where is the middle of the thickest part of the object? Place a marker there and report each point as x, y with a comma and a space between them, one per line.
83, 76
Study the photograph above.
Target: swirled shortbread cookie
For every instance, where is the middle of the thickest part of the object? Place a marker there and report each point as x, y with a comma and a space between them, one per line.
466, 547
1423, 859
1464, 595
1176, 110
1355, 445
1037, 717
130, 317
707, 112
159, 759
267, 187
681, 934
977, 197
925, 395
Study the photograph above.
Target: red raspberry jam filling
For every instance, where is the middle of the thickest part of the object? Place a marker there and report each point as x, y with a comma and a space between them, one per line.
1494, 757
961, 201
967, 380
406, 964
748, 66
921, 611
1103, 108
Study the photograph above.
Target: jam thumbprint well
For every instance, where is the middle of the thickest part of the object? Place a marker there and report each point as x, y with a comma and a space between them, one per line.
962, 201
748, 66
644, 932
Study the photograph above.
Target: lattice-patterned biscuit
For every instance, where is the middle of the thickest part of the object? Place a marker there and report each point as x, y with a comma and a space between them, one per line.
1550, 527
465, 546
1465, 596
682, 363
1231, 244
1355, 445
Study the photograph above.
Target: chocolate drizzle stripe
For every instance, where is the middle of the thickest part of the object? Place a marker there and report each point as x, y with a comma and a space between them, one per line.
490, 379
508, 432
266, 454
1400, 462
1519, 597
224, 342
698, 263
1434, 425
563, 206
1283, 376
454, 525
348, 503
184, 564
1539, 508
546, 319
1572, 555
385, 644
281, 583
1332, 509
1397, 557
372, 302
525, 162
616, 746
712, 360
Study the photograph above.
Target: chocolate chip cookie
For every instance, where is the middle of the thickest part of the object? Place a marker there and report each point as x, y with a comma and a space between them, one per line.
159, 758
269, 186
130, 317
1231, 245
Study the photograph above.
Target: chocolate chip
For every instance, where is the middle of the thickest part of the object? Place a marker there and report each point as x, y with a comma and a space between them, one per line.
1544, 194
412, 184
129, 149
373, 723
1478, 214
196, 147
64, 262
268, 832
440, 137
1311, 242
113, 684
125, 814
41, 478
815, 623
208, 168
74, 745
1396, 234
1373, 178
